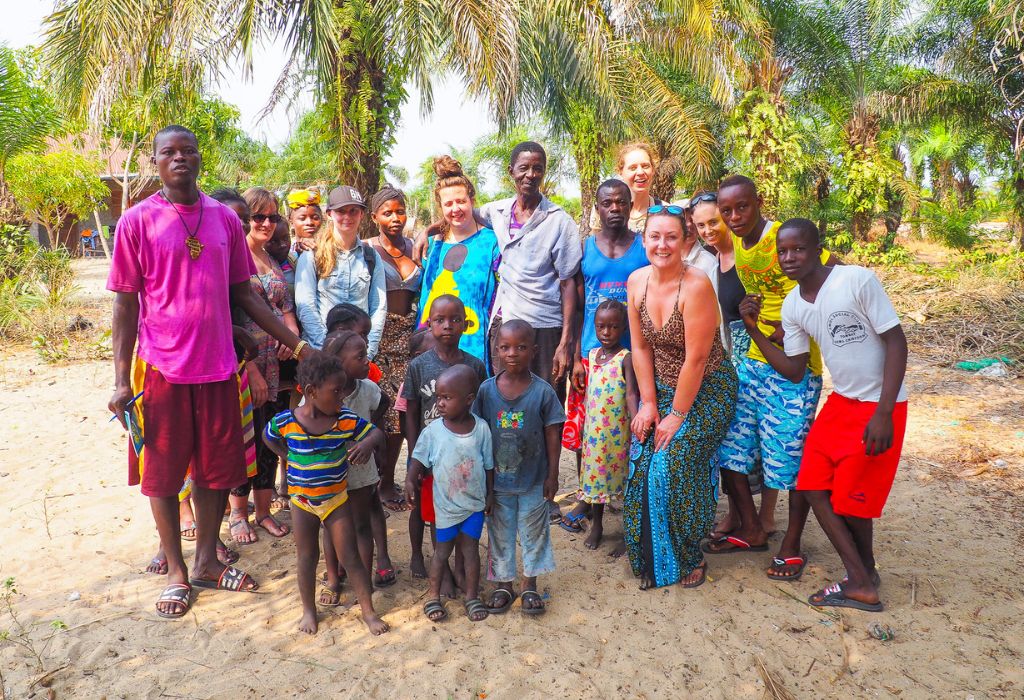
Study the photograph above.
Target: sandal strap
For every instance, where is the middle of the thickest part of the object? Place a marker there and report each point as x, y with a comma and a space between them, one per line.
175, 593
231, 579
788, 561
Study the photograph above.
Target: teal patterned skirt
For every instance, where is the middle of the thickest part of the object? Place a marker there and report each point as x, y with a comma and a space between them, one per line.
671, 494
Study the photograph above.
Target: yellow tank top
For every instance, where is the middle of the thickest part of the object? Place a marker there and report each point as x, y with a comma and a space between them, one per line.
759, 271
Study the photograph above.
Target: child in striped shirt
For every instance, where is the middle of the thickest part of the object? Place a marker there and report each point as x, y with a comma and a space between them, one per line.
319, 439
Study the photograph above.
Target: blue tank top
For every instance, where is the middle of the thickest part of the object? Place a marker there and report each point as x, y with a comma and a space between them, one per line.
605, 278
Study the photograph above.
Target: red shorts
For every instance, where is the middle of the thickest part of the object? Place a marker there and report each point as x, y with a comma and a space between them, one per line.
575, 413
427, 499
183, 425
834, 458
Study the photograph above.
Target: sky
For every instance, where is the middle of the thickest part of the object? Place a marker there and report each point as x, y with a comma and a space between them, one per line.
455, 121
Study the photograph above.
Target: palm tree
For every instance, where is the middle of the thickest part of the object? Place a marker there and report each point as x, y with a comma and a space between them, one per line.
845, 53
358, 54
26, 119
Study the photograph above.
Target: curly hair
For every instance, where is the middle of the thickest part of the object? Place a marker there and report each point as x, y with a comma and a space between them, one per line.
614, 305
318, 369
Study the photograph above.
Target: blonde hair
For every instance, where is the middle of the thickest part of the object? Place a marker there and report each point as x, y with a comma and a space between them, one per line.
449, 174
259, 198
626, 149
325, 254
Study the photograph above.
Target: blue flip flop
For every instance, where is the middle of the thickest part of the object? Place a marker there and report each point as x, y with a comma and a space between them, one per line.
572, 523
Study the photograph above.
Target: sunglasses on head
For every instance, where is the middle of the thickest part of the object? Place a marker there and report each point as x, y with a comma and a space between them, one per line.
667, 208
260, 218
704, 197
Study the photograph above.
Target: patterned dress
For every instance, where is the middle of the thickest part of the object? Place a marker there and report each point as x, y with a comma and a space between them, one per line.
670, 494
605, 431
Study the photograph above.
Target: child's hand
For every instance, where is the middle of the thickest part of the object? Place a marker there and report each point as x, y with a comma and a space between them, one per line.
412, 493
644, 422
550, 488
750, 309
579, 375
489, 504
360, 453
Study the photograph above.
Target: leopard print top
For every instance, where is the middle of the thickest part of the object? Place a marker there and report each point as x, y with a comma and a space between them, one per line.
668, 342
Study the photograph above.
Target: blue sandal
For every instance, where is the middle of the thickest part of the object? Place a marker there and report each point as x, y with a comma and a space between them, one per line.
572, 523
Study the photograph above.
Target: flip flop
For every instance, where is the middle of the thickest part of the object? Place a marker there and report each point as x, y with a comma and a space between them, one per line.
185, 527
503, 608
395, 505
833, 596
799, 561
281, 526
435, 607
179, 593
572, 523
231, 529
473, 609
328, 598
703, 566
532, 595
382, 578
738, 545
157, 566
230, 555
231, 579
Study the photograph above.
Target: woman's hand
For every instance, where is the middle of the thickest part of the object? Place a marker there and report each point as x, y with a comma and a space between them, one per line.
304, 244
644, 421
257, 386
666, 430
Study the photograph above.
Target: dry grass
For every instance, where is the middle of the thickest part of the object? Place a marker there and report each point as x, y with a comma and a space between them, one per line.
962, 318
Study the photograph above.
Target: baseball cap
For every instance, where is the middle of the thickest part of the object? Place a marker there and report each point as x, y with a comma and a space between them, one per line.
343, 196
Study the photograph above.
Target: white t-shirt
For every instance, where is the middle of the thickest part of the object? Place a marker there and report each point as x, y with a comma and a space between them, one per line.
850, 312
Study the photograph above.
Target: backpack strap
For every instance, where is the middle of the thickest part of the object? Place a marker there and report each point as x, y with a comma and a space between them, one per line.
369, 257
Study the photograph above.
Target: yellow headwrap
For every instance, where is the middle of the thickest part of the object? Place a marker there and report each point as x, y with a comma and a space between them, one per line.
302, 198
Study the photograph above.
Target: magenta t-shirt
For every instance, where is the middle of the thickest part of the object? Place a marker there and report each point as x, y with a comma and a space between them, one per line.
184, 304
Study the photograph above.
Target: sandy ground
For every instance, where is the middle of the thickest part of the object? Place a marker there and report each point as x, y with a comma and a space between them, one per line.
76, 540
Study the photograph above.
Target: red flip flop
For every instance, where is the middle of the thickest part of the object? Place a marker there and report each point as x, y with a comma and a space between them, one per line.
738, 545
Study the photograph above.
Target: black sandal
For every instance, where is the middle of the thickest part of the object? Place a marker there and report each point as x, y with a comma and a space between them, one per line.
533, 596
503, 608
435, 607
703, 566
474, 608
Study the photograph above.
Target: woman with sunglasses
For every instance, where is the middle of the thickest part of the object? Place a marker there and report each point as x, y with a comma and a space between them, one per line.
688, 396
635, 166
264, 371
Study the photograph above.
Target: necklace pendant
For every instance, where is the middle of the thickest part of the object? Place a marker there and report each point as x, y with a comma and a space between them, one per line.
194, 247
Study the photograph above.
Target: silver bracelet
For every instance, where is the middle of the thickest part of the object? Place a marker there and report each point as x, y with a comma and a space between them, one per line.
677, 414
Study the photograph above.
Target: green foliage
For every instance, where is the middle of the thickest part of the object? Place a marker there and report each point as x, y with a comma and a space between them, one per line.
36, 286
766, 145
863, 175
28, 114
875, 253
951, 225
55, 188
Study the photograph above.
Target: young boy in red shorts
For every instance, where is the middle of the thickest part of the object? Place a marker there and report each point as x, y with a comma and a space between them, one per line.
852, 451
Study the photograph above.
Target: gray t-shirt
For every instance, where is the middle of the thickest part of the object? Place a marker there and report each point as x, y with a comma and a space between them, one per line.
517, 431
458, 464
534, 259
422, 373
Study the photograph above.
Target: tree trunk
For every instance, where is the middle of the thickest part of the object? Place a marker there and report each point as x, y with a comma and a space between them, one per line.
821, 192
1017, 220
588, 193
125, 200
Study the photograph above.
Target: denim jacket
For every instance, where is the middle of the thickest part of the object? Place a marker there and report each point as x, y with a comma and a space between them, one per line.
350, 282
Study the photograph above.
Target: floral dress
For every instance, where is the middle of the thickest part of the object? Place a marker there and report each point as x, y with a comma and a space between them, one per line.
605, 431
271, 287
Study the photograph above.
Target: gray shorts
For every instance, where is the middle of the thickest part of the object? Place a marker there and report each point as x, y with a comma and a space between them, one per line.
362, 475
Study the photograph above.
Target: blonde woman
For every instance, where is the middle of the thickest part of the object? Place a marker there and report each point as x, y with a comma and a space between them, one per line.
635, 166
341, 269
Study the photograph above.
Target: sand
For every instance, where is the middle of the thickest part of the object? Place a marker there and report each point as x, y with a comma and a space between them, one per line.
76, 541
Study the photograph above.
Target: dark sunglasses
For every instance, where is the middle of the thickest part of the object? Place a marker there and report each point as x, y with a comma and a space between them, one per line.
260, 218
669, 208
703, 197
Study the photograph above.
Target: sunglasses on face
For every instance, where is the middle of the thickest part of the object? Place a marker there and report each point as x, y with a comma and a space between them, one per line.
669, 208
260, 218
704, 197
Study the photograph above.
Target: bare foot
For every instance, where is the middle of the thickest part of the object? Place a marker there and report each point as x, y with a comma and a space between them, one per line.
269, 523
593, 540
376, 625
226, 556
308, 623
448, 586
725, 526
618, 550
416, 566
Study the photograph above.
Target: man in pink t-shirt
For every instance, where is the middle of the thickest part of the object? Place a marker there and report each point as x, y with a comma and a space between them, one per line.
180, 263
